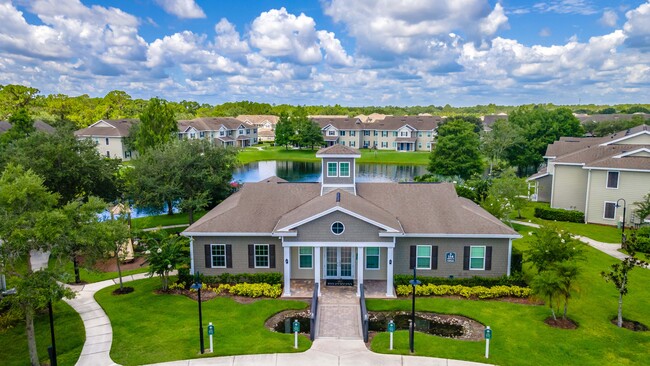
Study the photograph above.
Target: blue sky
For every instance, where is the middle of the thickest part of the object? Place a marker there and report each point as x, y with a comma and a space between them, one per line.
361, 52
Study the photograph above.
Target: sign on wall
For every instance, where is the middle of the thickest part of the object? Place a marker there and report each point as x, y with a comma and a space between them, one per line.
450, 257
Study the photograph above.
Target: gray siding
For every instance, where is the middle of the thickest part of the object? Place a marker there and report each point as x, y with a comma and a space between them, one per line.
499, 256
338, 180
632, 186
569, 187
239, 254
356, 230
296, 272
368, 274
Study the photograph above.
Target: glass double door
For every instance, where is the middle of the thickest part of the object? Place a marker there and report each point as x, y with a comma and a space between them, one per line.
338, 263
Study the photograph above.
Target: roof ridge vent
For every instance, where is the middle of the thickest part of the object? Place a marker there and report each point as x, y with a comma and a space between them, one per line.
338, 196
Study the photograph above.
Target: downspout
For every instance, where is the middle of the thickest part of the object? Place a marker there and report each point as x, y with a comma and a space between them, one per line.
191, 255
553, 186
509, 257
587, 198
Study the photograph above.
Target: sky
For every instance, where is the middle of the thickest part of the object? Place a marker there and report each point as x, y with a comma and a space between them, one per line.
353, 53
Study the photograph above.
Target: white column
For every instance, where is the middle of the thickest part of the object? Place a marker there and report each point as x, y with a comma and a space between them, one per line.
287, 271
509, 257
317, 267
359, 270
389, 273
191, 255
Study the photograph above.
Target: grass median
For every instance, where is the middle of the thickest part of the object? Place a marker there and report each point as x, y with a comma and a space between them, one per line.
150, 327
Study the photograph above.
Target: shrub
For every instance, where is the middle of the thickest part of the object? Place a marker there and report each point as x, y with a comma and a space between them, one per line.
515, 279
249, 289
271, 278
559, 214
479, 292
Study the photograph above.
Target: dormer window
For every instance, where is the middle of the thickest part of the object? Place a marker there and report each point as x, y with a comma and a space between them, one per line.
241, 131
344, 169
222, 133
331, 133
404, 133
332, 169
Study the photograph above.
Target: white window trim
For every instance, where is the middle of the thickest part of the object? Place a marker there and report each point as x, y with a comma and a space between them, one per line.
618, 179
310, 254
417, 256
225, 256
470, 257
331, 133
605, 210
328, 169
378, 260
339, 169
268, 255
332, 227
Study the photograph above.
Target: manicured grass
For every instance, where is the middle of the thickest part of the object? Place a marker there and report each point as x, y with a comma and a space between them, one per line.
164, 220
520, 336
605, 234
367, 156
150, 327
91, 276
68, 329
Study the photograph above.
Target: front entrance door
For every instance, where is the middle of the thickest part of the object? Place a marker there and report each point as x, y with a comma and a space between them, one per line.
338, 263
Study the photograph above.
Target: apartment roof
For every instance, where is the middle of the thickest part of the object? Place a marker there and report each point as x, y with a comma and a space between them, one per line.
568, 145
401, 208
4, 126
488, 120
391, 123
265, 133
108, 128
258, 118
338, 150
210, 123
609, 117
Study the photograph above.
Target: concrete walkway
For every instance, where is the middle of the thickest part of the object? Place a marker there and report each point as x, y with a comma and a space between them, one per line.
99, 333
165, 227
611, 249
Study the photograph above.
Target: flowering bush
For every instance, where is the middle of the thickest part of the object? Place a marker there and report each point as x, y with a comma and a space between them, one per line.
479, 292
249, 290
164, 257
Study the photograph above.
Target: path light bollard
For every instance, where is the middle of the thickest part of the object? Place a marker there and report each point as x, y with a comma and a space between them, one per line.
211, 333
296, 330
488, 335
391, 330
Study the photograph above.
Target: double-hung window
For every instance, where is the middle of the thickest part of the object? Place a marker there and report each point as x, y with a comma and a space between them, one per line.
477, 258
610, 211
306, 257
372, 258
218, 254
423, 257
331, 133
353, 133
342, 133
107, 141
332, 169
366, 132
261, 256
344, 169
612, 180
384, 133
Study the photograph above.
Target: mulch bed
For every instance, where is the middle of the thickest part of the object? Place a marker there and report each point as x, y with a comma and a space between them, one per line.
561, 323
631, 325
123, 291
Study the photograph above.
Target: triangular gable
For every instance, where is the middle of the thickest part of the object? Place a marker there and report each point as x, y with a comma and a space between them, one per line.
407, 126
328, 126
639, 138
102, 123
356, 215
642, 152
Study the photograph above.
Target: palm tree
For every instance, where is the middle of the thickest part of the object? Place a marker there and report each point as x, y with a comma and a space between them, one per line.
548, 285
567, 272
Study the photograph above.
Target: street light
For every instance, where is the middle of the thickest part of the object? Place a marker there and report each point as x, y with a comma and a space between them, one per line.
197, 286
623, 226
414, 282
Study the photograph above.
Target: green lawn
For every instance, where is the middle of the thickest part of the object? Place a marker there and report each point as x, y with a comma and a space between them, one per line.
521, 338
68, 329
150, 328
91, 276
164, 220
606, 234
367, 156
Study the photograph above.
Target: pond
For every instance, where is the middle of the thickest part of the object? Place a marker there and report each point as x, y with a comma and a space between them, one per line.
298, 171
442, 325
284, 325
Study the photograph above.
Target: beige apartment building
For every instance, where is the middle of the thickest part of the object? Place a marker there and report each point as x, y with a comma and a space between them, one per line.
110, 136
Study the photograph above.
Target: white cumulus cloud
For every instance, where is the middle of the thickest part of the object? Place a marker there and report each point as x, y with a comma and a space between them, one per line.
637, 27
184, 9
609, 18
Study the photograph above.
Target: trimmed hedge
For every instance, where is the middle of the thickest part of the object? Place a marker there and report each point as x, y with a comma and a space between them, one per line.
514, 280
479, 292
271, 278
250, 289
559, 214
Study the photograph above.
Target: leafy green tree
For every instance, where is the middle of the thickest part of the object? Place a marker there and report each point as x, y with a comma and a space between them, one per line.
301, 124
113, 240
22, 125
502, 136
548, 286
71, 167
551, 245
165, 255
15, 97
284, 131
190, 173
567, 272
456, 151
312, 135
643, 207
618, 275
29, 222
157, 126
508, 192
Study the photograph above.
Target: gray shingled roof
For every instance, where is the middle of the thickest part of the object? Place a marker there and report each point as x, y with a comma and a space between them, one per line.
609, 117
38, 125
4, 126
338, 149
211, 123
390, 123
118, 128
432, 209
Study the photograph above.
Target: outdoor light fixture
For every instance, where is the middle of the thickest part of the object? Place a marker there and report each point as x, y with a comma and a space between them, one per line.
623, 224
197, 286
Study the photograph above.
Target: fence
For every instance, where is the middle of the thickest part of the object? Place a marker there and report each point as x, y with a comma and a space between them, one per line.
364, 315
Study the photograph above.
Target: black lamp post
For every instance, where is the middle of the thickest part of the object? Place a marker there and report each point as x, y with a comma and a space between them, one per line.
623, 226
197, 286
414, 282
52, 349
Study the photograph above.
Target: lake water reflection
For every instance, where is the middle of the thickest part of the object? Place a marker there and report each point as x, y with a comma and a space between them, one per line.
296, 171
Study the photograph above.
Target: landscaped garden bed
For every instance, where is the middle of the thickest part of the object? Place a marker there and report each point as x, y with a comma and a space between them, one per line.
443, 325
